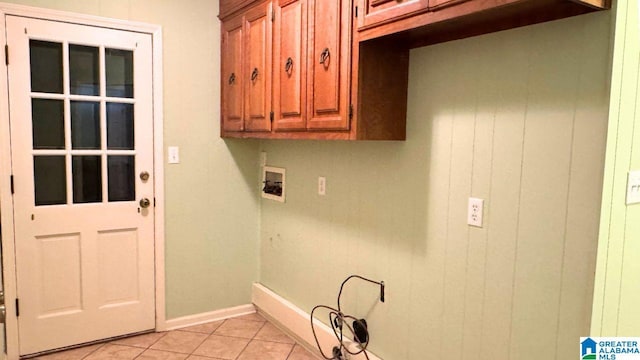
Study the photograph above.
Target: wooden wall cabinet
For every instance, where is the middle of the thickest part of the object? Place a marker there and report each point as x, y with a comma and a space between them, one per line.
338, 69
312, 72
246, 70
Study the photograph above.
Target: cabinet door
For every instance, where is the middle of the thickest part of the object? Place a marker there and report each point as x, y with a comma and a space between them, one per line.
329, 58
381, 11
289, 69
258, 68
232, 75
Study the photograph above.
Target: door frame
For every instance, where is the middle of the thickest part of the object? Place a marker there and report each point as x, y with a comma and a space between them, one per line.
6, 197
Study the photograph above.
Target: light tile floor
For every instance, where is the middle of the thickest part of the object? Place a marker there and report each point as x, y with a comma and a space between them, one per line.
248, 337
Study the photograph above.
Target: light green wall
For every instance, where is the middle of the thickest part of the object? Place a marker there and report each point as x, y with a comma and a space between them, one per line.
212, 211
518, 118
617, 290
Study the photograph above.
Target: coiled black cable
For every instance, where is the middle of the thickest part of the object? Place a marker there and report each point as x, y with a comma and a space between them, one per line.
337, 319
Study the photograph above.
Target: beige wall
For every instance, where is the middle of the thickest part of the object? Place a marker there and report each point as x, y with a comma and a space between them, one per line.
518, 118
212, 211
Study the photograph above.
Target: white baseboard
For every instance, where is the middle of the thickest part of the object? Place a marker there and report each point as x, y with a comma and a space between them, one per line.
202, 318
296, 321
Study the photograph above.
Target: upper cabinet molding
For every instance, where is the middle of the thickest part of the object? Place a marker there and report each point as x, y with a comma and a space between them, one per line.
424, 22
231, 7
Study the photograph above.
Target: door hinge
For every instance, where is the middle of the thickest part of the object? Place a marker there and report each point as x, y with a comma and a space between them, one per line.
273, 15
271, 116
356, 11
17, 307
154, 202
350, 111
6, 54
13, 190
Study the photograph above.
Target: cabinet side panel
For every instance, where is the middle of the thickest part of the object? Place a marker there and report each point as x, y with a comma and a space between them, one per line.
383, 68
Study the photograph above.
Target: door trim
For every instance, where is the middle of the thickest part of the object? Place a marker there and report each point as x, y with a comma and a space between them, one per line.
6, 198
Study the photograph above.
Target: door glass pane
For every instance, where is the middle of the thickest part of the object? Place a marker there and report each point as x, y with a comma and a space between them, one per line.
119, 73
48, 123
87, 179
49, 173
85, 125
84, 70
120, 126
46, 66
121, 178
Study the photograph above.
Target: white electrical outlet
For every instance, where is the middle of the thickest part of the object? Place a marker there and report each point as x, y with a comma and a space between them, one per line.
633, 187
174, 155
322, 185
475, 211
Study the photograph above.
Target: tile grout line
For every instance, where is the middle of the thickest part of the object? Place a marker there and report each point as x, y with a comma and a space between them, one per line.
92, 352
291, 351
150, 345
205, 339
251, 340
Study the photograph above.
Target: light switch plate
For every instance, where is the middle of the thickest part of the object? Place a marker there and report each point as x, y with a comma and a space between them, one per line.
174, 155
633, 187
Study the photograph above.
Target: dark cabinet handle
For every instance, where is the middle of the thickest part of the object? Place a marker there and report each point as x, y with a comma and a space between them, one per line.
288, 65
324, 56
232, 79
254, 74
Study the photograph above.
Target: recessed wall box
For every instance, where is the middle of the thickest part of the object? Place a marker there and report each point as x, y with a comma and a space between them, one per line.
273, 183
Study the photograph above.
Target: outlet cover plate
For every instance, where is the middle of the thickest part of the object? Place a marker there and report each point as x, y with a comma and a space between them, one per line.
475, 212
322, 186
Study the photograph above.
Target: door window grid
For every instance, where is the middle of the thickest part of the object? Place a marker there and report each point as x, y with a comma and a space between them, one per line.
103, 152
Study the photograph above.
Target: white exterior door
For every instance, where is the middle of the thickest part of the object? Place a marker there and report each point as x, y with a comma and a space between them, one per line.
82, 156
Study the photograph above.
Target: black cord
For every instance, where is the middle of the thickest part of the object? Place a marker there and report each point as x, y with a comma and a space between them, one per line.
381, 283
337, 321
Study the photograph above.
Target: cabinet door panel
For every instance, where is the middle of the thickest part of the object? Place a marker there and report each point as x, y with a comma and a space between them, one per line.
290, 65
329, 65
232, 75
258, 68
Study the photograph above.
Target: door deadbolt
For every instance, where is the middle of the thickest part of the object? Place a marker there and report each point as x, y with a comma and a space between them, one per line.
144, 176
144, 203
